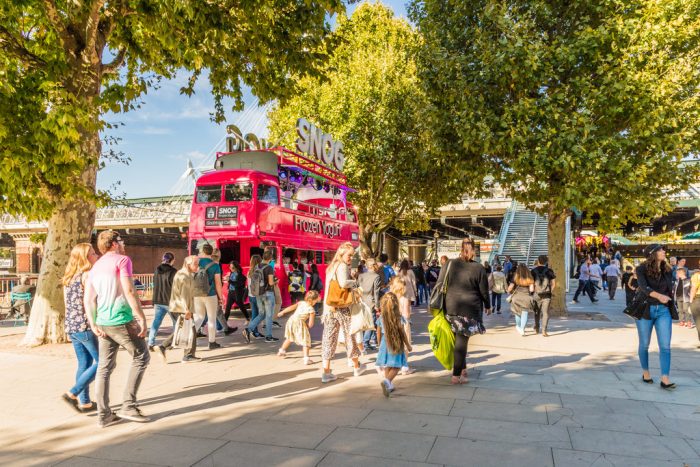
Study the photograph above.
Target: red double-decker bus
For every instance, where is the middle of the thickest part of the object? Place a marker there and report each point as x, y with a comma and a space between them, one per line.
273, 198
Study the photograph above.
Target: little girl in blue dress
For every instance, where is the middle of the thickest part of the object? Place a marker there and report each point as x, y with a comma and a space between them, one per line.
394, 342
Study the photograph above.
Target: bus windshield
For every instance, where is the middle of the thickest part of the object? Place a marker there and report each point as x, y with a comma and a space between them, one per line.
242, 191
208, 194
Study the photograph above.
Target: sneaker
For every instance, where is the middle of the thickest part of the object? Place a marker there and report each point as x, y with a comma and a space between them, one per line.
161, 352
385, 388
214, 345
133, 414
407, 371
190, 359
230, 331
359, 370
109, 420
257, 335
275, 324
328, 377
246, 335
350, 363
271, 339
308, 361
498, 312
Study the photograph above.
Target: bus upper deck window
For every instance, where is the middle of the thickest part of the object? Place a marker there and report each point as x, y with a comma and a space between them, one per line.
239, 192
268, 194
209, 194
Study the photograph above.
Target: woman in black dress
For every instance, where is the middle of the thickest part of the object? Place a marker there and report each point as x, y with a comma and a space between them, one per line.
236, 291
466, 298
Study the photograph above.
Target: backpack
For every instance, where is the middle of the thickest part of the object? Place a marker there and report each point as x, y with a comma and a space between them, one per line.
201, 281
257, 282
542, 284
296, 281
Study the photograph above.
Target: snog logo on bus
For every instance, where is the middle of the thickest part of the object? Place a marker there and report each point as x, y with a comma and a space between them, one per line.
315, 226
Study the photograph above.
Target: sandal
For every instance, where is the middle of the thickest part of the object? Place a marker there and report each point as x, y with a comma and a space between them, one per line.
456, 380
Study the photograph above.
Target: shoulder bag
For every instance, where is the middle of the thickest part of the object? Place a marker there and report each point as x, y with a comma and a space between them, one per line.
338, 297
438, 296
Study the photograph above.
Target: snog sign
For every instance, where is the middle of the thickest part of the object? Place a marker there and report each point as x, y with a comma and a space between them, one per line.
319, 145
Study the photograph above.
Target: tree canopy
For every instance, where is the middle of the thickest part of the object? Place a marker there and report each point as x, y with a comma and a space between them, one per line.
368, 96
590, 104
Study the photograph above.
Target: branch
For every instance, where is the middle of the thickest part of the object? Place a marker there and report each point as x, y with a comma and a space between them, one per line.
56, 22
15, 46
112, 66
91, 27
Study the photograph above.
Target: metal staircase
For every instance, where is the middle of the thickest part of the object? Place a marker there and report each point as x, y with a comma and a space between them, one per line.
523, 235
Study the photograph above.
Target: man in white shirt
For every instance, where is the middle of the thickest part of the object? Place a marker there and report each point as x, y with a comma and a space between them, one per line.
585, 285
613, 274
596, 274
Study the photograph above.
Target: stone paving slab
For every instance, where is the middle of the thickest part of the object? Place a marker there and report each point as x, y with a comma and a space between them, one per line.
418, 423
631, 444
515, 432
237, 454
496, 411
460, 452
395, 445
277, 433
334, 459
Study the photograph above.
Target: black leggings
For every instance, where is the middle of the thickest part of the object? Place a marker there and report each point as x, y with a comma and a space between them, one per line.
460, 354
234, 297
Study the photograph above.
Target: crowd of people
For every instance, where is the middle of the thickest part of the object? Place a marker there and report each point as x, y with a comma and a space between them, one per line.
104, 313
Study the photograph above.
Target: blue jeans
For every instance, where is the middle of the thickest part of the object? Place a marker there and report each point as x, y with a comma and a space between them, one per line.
266, 308
253, 308
422, 294
85, 346
160, 312
496, 301
370, 334
661, 321
521, 321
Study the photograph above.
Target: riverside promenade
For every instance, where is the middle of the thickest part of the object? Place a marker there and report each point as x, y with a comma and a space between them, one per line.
573, 399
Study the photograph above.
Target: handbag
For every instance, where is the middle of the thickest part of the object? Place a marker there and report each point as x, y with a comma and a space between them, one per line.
361, 318
637, 306
182, 339
439, 294
338, 297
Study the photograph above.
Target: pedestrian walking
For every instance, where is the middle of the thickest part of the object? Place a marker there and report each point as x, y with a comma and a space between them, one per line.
370, 284
182, 303
521, 301
262, 284
394, 342
465, 300
596, 275
612, 272
297, 329
315, 283
409, 279
695, 301
398, 288
585, 285
432, 275
681, 294
110, 305
545, 282
656, 282
77, 327
162, 287
207, 293
497, 287
421, 284
627, 286
335, 318
236, 291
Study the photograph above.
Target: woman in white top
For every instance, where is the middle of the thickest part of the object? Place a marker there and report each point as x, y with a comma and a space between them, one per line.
334, 318
409, 279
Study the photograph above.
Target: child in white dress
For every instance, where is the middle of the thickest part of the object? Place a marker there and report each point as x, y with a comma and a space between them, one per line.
297, 329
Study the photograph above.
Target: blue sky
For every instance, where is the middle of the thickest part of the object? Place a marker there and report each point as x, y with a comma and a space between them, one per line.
169, 129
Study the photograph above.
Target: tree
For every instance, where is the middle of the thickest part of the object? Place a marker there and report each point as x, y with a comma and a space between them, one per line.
589, 104
369, 98
64, 64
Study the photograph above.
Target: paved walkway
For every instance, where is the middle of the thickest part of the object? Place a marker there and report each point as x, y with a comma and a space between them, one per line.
573, 399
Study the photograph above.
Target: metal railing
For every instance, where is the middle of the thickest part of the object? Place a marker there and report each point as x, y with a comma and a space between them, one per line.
145, 289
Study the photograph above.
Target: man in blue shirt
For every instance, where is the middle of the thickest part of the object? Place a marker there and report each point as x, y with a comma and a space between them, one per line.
209, 305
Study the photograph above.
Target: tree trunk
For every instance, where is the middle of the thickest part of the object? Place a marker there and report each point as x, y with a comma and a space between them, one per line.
556, 233
71, 223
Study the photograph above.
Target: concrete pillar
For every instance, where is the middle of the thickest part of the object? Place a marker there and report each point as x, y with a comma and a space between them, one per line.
416, 251
391, 248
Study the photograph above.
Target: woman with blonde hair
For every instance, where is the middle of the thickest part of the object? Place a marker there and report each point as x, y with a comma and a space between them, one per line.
336, 317
182, 302
397, 286
521, 302
76, 324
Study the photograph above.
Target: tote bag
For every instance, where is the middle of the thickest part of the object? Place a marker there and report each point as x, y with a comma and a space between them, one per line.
183, 333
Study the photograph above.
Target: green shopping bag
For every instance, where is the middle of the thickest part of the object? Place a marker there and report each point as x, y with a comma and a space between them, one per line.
442, 339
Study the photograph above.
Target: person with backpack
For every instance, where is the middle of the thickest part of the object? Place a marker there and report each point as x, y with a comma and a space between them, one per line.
297, 283
497, 286
545, 282
387, 272
207, 293
262, 283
